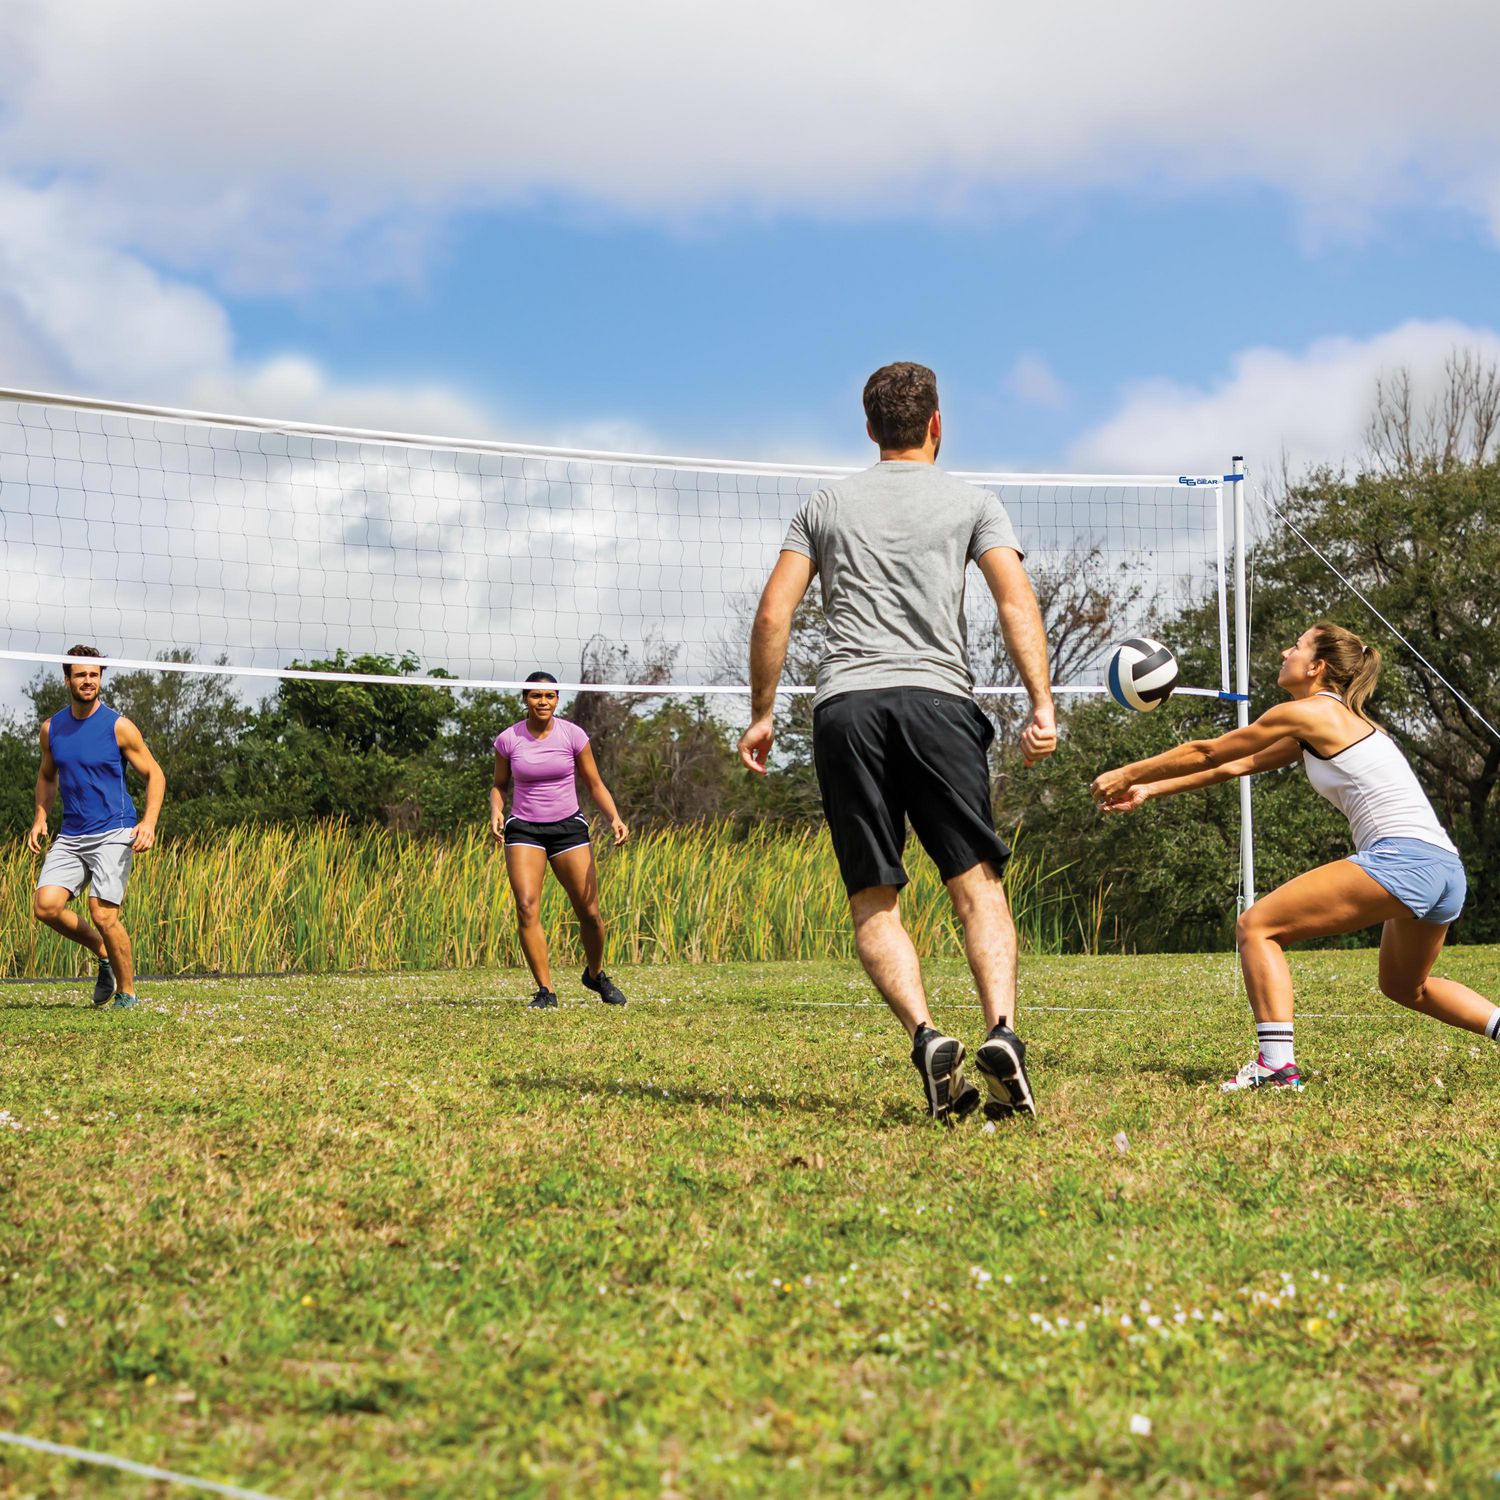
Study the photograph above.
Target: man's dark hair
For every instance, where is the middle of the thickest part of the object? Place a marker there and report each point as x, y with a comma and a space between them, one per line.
80, 651
540, 677
899, 401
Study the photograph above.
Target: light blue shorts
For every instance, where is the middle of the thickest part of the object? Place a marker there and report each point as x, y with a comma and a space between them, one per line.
1428, 879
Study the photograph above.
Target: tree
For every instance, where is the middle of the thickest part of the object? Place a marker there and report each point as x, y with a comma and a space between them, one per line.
1418, 534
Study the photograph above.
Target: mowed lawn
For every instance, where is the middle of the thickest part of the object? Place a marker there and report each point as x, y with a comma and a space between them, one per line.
395, 1235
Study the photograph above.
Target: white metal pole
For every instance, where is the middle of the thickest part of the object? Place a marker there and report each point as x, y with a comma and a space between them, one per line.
1242, 676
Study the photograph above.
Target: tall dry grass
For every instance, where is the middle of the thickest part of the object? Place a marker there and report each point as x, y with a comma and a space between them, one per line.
331, 897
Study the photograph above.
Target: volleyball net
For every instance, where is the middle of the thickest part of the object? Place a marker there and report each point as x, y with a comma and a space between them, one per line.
255, 547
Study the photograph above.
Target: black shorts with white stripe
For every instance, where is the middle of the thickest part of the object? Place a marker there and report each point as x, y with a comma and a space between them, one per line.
555, 838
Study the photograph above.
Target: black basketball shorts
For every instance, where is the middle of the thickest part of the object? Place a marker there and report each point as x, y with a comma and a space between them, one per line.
888, 754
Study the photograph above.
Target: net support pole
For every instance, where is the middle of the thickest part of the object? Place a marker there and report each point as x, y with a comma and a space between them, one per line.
1242, 675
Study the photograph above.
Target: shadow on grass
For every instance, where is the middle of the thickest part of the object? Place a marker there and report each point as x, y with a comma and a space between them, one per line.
878, 1117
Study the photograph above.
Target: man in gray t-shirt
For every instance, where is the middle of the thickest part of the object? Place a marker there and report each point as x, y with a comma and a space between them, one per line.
897, 734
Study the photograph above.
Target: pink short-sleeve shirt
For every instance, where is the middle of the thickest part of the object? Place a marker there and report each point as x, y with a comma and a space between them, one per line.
542, 771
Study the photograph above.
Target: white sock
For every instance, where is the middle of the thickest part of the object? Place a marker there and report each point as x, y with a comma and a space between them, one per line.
1275, 1039
1492, 1030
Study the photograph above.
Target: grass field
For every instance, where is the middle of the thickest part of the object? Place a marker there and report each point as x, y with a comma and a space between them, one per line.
376, 1236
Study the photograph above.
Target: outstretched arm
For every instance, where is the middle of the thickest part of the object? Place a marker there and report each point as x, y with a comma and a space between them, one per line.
1265, 745
1025, 637
783, 592
588, 768
133, 748
1273, 758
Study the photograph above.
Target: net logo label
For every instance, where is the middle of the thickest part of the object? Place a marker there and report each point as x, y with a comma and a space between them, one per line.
1191, 480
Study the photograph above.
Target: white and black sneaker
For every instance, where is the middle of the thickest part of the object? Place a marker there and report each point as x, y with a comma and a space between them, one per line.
940, 1061
1001, 1061
544, 999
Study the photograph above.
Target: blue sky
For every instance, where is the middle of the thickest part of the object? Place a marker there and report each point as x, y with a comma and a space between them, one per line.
743, 336
1126, 237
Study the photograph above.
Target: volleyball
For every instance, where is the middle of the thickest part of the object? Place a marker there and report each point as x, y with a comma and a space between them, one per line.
1142, 674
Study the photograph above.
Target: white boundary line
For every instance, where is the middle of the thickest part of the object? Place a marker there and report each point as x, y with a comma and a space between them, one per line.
1069, 1010
1185, 482
129, 1466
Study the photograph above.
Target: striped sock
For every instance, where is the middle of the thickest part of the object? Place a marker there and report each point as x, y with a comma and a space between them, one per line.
1492, 1029
1275, 1038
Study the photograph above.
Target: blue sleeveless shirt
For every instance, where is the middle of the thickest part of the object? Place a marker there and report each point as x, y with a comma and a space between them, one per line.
90, 772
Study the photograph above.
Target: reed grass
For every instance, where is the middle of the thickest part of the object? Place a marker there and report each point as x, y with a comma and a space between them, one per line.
332, 897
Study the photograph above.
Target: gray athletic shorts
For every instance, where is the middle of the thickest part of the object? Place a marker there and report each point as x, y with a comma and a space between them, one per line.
98, 859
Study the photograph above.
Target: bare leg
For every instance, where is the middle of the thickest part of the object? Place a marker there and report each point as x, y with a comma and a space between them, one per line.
106, 917
989, 940
527, 867
886, 951
1408, 950
575, 872
1334, 898
51, 907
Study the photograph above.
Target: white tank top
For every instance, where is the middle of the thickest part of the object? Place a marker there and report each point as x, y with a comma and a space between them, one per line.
1373, 786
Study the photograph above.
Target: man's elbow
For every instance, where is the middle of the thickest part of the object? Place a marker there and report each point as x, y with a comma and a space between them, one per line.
1204, 750
771, 622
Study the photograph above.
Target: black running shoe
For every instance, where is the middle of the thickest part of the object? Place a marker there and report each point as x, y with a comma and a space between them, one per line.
605, 988
543, 1000
1001, 1061
104, 985
940, 1061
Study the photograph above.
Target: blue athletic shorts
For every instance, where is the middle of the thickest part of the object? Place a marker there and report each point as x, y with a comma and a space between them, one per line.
1422, 876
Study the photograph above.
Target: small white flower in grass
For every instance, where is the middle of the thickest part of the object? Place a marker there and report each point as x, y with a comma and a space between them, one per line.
1126, 1320
1154, 1321
1179, 1318
1140, 1426
989, 1128
1122, 1142
1008, 1279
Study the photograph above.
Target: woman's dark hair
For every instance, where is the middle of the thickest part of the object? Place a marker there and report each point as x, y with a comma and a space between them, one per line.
541, 677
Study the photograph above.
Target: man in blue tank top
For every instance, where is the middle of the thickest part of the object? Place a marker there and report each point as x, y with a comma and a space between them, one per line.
85, 749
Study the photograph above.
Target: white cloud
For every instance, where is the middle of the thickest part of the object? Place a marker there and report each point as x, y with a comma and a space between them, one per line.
1033, 381
265, 139
1310, 405
79, 314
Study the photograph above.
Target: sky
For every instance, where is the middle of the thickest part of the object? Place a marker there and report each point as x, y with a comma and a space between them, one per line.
1127, 238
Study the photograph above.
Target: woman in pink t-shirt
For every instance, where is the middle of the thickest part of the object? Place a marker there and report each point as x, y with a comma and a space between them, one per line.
539, 761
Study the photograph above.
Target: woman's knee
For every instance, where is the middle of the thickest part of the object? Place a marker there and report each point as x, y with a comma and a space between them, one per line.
529, 910
1249, 927
1403, 991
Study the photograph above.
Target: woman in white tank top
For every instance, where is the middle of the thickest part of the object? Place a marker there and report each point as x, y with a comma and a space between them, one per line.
1405, 871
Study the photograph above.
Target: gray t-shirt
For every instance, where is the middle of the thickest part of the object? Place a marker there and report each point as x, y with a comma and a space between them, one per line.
891, 546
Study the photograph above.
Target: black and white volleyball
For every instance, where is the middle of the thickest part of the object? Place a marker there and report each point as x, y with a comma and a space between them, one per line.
1142, 674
